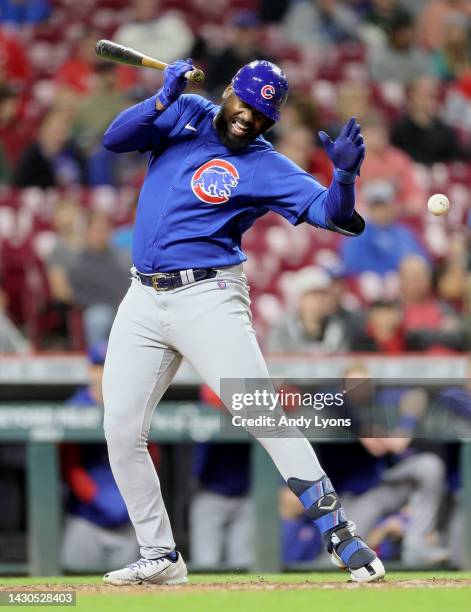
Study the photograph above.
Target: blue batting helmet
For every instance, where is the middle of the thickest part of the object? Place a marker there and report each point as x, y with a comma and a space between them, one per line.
263, 85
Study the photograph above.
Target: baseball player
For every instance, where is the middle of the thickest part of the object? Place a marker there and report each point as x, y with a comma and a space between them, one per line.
211, 174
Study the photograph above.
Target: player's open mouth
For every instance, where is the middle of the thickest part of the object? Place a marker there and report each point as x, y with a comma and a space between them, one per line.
239, 128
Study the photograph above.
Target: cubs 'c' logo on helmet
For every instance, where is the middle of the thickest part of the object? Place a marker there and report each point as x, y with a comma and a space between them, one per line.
213, 181
267, 91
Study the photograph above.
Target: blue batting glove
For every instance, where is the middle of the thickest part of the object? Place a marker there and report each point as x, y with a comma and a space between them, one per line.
174, 81
347, 152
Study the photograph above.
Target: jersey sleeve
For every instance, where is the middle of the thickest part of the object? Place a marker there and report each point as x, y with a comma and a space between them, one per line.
282, 186
142, 127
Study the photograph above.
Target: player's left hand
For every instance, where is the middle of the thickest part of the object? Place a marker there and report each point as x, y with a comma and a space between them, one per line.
174, 81
348, 151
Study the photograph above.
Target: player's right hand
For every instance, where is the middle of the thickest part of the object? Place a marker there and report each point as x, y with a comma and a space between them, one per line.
174, 81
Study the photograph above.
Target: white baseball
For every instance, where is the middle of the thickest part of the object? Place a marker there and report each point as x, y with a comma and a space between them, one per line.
438, 204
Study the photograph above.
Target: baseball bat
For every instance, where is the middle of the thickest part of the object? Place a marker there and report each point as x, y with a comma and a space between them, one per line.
117, 53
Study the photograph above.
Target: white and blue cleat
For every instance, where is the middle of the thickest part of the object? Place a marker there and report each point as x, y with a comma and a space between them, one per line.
170, 569
348, 551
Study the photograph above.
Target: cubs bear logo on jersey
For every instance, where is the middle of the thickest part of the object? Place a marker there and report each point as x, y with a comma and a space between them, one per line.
267, 91
214, 181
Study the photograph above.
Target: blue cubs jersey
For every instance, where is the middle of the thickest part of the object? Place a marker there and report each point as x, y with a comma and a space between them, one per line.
199, 197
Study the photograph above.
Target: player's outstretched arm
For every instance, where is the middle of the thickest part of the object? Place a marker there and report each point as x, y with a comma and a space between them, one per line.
130, 131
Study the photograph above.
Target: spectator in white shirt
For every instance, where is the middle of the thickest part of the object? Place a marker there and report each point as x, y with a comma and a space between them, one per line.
165, 36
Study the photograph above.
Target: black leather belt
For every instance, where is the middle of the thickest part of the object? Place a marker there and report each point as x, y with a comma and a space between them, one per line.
166, 281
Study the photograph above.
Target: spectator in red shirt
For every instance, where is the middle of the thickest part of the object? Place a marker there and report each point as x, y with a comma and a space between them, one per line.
16, 128
383, 331
429, 324
295, 137
298, 145
78, 72
15, 67
385, 162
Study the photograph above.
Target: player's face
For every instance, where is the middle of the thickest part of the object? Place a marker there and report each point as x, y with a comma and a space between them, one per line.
237, 123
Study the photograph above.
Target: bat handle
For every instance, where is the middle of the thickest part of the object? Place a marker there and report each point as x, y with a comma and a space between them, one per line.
196, 75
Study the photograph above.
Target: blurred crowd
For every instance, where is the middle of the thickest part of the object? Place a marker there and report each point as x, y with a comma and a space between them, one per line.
67, 204
403, 68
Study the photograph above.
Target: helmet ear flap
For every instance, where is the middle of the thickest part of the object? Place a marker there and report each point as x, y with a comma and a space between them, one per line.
269, 124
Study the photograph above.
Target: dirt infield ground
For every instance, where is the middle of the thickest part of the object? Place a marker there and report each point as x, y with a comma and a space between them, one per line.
322, 592
259, 584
